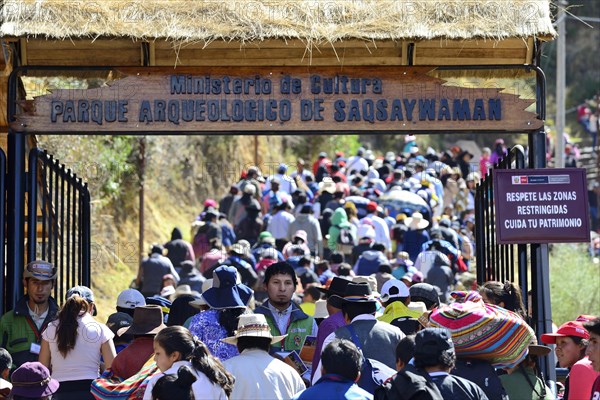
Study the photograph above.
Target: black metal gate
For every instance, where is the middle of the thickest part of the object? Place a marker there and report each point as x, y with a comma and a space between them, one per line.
525, 264
2, 227
58, 220
498, 262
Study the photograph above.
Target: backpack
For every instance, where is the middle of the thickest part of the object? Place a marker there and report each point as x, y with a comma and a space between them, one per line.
373, 373
346, 236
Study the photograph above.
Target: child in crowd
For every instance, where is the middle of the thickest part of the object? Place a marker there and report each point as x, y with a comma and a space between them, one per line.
5, 365
175, 347
175, 386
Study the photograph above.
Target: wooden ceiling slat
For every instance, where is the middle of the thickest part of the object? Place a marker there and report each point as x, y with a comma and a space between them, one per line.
471, 53
485, 44
466, 61
367, 61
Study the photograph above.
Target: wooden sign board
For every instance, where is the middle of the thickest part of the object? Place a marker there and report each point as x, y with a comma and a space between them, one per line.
277, 99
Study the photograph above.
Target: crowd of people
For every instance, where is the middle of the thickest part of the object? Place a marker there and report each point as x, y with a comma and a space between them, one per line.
331, 282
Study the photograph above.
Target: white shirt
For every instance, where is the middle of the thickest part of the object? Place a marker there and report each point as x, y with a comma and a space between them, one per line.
356, 163
260, 376
286, 184
278, 225
281, 318
38, 319
202, 388
83, 361
382, 231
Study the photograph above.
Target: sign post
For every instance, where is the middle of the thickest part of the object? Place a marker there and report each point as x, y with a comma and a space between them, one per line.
541, 205
272, 100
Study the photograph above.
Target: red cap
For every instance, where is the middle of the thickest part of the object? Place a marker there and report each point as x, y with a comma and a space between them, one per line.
371, 206
585, 318
210, 203
571, 328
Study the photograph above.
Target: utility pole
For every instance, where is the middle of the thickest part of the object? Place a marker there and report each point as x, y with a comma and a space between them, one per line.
142, 178
559, 146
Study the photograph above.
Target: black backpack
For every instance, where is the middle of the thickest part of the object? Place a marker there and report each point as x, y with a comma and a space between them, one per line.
346, 236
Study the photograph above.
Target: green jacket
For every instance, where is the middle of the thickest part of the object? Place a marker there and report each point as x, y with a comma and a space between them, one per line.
339, 219
300, 327
18, 331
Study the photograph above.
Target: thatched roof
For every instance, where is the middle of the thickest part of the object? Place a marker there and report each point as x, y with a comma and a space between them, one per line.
251, 20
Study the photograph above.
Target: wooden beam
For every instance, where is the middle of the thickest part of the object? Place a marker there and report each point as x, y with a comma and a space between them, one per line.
530, 50
23, 55
152, 51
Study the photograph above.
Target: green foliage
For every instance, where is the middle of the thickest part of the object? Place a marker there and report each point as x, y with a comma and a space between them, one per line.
582, 62
574, 282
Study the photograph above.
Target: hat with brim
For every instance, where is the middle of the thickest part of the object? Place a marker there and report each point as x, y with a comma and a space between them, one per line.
200, 302
253, 325
226, 291
147, 320
40, 270
33, 380
356, 293
335, 291
416, 221
570, 328
327, 185
538, 350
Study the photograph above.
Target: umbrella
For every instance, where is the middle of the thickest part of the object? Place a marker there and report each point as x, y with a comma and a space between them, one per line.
360, 203
399, 201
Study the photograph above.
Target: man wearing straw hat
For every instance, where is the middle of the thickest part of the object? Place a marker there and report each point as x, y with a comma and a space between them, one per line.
257, 374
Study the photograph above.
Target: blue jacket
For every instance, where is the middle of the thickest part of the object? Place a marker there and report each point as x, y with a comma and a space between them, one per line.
334, 387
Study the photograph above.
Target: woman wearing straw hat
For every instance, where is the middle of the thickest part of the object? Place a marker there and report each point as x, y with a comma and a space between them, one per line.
227, 299
523, 381
416, 235
257, 374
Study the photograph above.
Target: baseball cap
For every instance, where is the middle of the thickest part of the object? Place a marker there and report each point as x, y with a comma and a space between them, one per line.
431, 342
84, 292
570, 328
392, 289
117, 321
40, 269
130, 298
425, 291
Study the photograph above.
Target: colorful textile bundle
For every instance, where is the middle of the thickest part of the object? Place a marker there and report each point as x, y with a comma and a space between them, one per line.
111, 387
485, 331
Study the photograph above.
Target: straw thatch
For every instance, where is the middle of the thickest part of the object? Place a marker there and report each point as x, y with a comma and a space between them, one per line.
312, 21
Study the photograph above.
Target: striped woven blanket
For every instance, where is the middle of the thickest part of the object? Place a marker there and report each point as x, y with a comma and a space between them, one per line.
110, 387
485, 331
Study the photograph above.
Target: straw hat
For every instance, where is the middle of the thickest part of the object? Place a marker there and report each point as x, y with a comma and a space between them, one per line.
327, 185
416, 221
253, 325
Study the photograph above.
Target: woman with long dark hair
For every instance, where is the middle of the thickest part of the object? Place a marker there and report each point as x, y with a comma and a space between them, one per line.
175, 347
73, 343
506, 295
